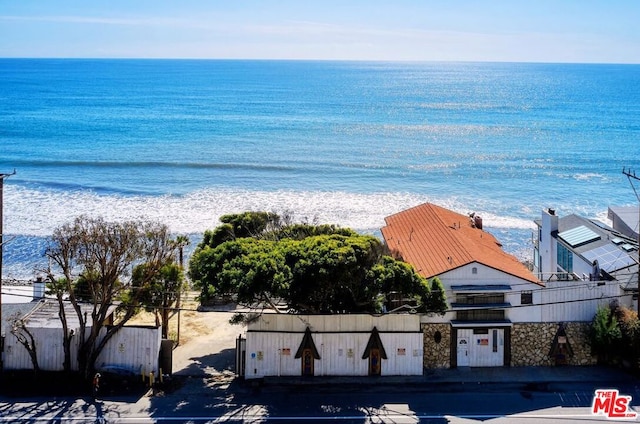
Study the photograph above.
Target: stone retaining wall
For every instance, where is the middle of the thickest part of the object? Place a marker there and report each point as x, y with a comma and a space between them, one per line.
437, 354
531, 344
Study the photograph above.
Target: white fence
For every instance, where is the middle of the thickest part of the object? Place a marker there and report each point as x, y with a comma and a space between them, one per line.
341, 341
135, 349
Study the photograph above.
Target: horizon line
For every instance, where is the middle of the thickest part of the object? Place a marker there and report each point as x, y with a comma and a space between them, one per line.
231, 59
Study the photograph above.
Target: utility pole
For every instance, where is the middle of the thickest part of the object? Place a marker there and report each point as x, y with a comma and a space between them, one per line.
2, 177
631, 175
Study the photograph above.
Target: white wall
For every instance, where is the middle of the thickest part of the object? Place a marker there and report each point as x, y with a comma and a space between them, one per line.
490, 276
548, 245
581, 267
274, 339
49, 350
335, 322
132, 348
557, 301
578, 300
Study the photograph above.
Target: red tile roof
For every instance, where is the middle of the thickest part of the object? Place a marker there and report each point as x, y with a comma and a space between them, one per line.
436, 240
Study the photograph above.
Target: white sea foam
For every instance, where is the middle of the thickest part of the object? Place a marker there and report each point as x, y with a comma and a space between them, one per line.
587, 176
37, 213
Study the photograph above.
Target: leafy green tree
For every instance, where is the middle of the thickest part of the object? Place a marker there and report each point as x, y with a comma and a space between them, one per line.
302, 231
311, 269
400, 277
604, 334
241, 225
437, 300
219, 235
329, 273
161, 292
90, 259
250, 224
630, 334
182, 242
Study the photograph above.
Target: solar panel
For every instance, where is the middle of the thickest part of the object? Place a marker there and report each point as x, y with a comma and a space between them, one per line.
578, 236
601, 225
610, 258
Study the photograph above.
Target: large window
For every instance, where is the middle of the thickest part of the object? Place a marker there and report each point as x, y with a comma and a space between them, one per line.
565, 259
479, 298
481, 315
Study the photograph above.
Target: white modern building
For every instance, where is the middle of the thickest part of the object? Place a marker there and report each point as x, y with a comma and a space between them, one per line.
580, 253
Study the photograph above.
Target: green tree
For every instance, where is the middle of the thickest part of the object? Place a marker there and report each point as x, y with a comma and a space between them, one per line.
241, 225
90, 259
161, 292
400, 277
310, 269
182, 242
630, 334
437, 300
604, 334
329, 273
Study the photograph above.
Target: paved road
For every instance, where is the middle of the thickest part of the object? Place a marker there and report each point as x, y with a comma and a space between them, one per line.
220, 399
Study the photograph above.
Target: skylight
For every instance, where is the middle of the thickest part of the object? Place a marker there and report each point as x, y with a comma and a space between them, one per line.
578, 236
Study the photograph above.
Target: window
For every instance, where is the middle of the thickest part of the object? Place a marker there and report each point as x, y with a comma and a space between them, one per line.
526, 298
479, 298
565, 259
481, 315
474, 270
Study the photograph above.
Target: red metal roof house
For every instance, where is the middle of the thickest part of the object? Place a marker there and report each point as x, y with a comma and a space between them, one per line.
487, 289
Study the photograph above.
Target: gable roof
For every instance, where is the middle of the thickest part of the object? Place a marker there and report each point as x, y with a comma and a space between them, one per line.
307, 343
11, 310
46, 314
436, 240
374, 343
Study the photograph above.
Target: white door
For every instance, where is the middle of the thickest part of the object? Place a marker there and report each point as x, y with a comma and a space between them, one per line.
463, 347
487, 348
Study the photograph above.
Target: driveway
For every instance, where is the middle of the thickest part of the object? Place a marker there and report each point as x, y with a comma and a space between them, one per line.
209, 349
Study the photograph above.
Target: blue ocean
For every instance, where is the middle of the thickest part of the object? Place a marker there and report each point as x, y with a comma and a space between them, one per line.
184, 142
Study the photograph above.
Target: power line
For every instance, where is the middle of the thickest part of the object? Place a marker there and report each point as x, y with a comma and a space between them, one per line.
480, 306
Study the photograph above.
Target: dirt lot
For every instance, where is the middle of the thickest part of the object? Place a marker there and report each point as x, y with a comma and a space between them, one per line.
206, 339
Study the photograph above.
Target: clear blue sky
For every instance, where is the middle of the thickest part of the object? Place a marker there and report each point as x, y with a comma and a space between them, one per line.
602, 31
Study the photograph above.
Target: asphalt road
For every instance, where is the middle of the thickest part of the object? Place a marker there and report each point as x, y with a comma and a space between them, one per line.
224, 400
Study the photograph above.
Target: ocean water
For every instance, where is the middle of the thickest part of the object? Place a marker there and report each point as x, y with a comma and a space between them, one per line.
184, 142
